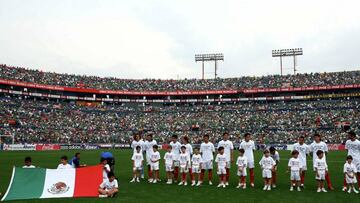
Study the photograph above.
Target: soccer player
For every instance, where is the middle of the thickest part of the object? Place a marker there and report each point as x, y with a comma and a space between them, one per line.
106, 168
138, 160
189, 151
321, 169
207, 150
196, 162
267, 165
109, 187
303, 150
175, 145
155, 157
28, 163
169, 165
295, 168
149, 143
228, 151
349, 171
75, 161
184, 160
137, 141
318, 145
249, 146
64, 163
352, 145
241, 163
275, 155
221, 162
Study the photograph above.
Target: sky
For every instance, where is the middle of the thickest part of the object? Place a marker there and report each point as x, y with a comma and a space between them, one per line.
159, 38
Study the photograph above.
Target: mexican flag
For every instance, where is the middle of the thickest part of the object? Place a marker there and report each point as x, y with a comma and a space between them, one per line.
33, 183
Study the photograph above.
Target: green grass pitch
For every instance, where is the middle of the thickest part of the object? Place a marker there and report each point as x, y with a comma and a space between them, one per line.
146, 192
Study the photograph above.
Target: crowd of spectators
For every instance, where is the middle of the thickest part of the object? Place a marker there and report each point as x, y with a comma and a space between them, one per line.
112, 83
34, 121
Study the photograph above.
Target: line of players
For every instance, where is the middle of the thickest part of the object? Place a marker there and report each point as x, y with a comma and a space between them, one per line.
181, 159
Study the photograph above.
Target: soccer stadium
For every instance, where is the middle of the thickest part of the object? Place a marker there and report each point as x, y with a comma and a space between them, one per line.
289, 135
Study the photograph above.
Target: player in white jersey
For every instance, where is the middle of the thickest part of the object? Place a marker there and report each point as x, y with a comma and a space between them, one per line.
189, 151
316, 146
350, 171
109, 187
155, 159
303, 150
64, 163
241, 163
276, 156
295, 167
28, 163
196, 162
184, 161
267, 165
137, 141
169, 164
149, 144
352, 145
221, 162
321, 169
228, 151
176, 151
207, 150
137, 160
249, 146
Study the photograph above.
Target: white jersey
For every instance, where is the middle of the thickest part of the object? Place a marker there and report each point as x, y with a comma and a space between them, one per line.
176, 146
66, 166
221, 160
249, 148
228, 147
149, 147
320, 164
169, 158
350, 168
189, 149
295, 164
303, 152
353, 148
314, 147
137, 158
184, 160
267, 163
107, 185
196, 160
275, 156
207, 150
135, 143
106, 170
242, 161
155, 156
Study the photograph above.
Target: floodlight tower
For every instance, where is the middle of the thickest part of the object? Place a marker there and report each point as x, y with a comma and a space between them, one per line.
285, 53
209, 57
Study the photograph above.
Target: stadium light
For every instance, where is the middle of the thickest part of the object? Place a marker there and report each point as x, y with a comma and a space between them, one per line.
285, 53
209, 57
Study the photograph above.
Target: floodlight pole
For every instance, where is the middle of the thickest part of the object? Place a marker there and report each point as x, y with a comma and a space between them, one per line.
286, 53
209, 57
281, 66
215, 68
203, 70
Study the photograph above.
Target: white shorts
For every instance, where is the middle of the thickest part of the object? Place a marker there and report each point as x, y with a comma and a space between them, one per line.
137, 168
357, 164
196, 169
169, 168
351, 180
228, 164
221, 171
184, 169
251, 164
242, 172
295, 175
176, 163
304, 166
266, 173
154, 166
148, 161
321, 175
208, 165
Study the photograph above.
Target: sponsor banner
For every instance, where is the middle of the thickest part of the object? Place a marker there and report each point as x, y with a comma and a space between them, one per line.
78, 146
43, 147
19, 147
121, 146
336, 147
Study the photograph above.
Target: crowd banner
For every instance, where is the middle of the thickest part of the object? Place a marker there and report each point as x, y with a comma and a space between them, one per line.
38, 183
336, 147
19, 147
44, 147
